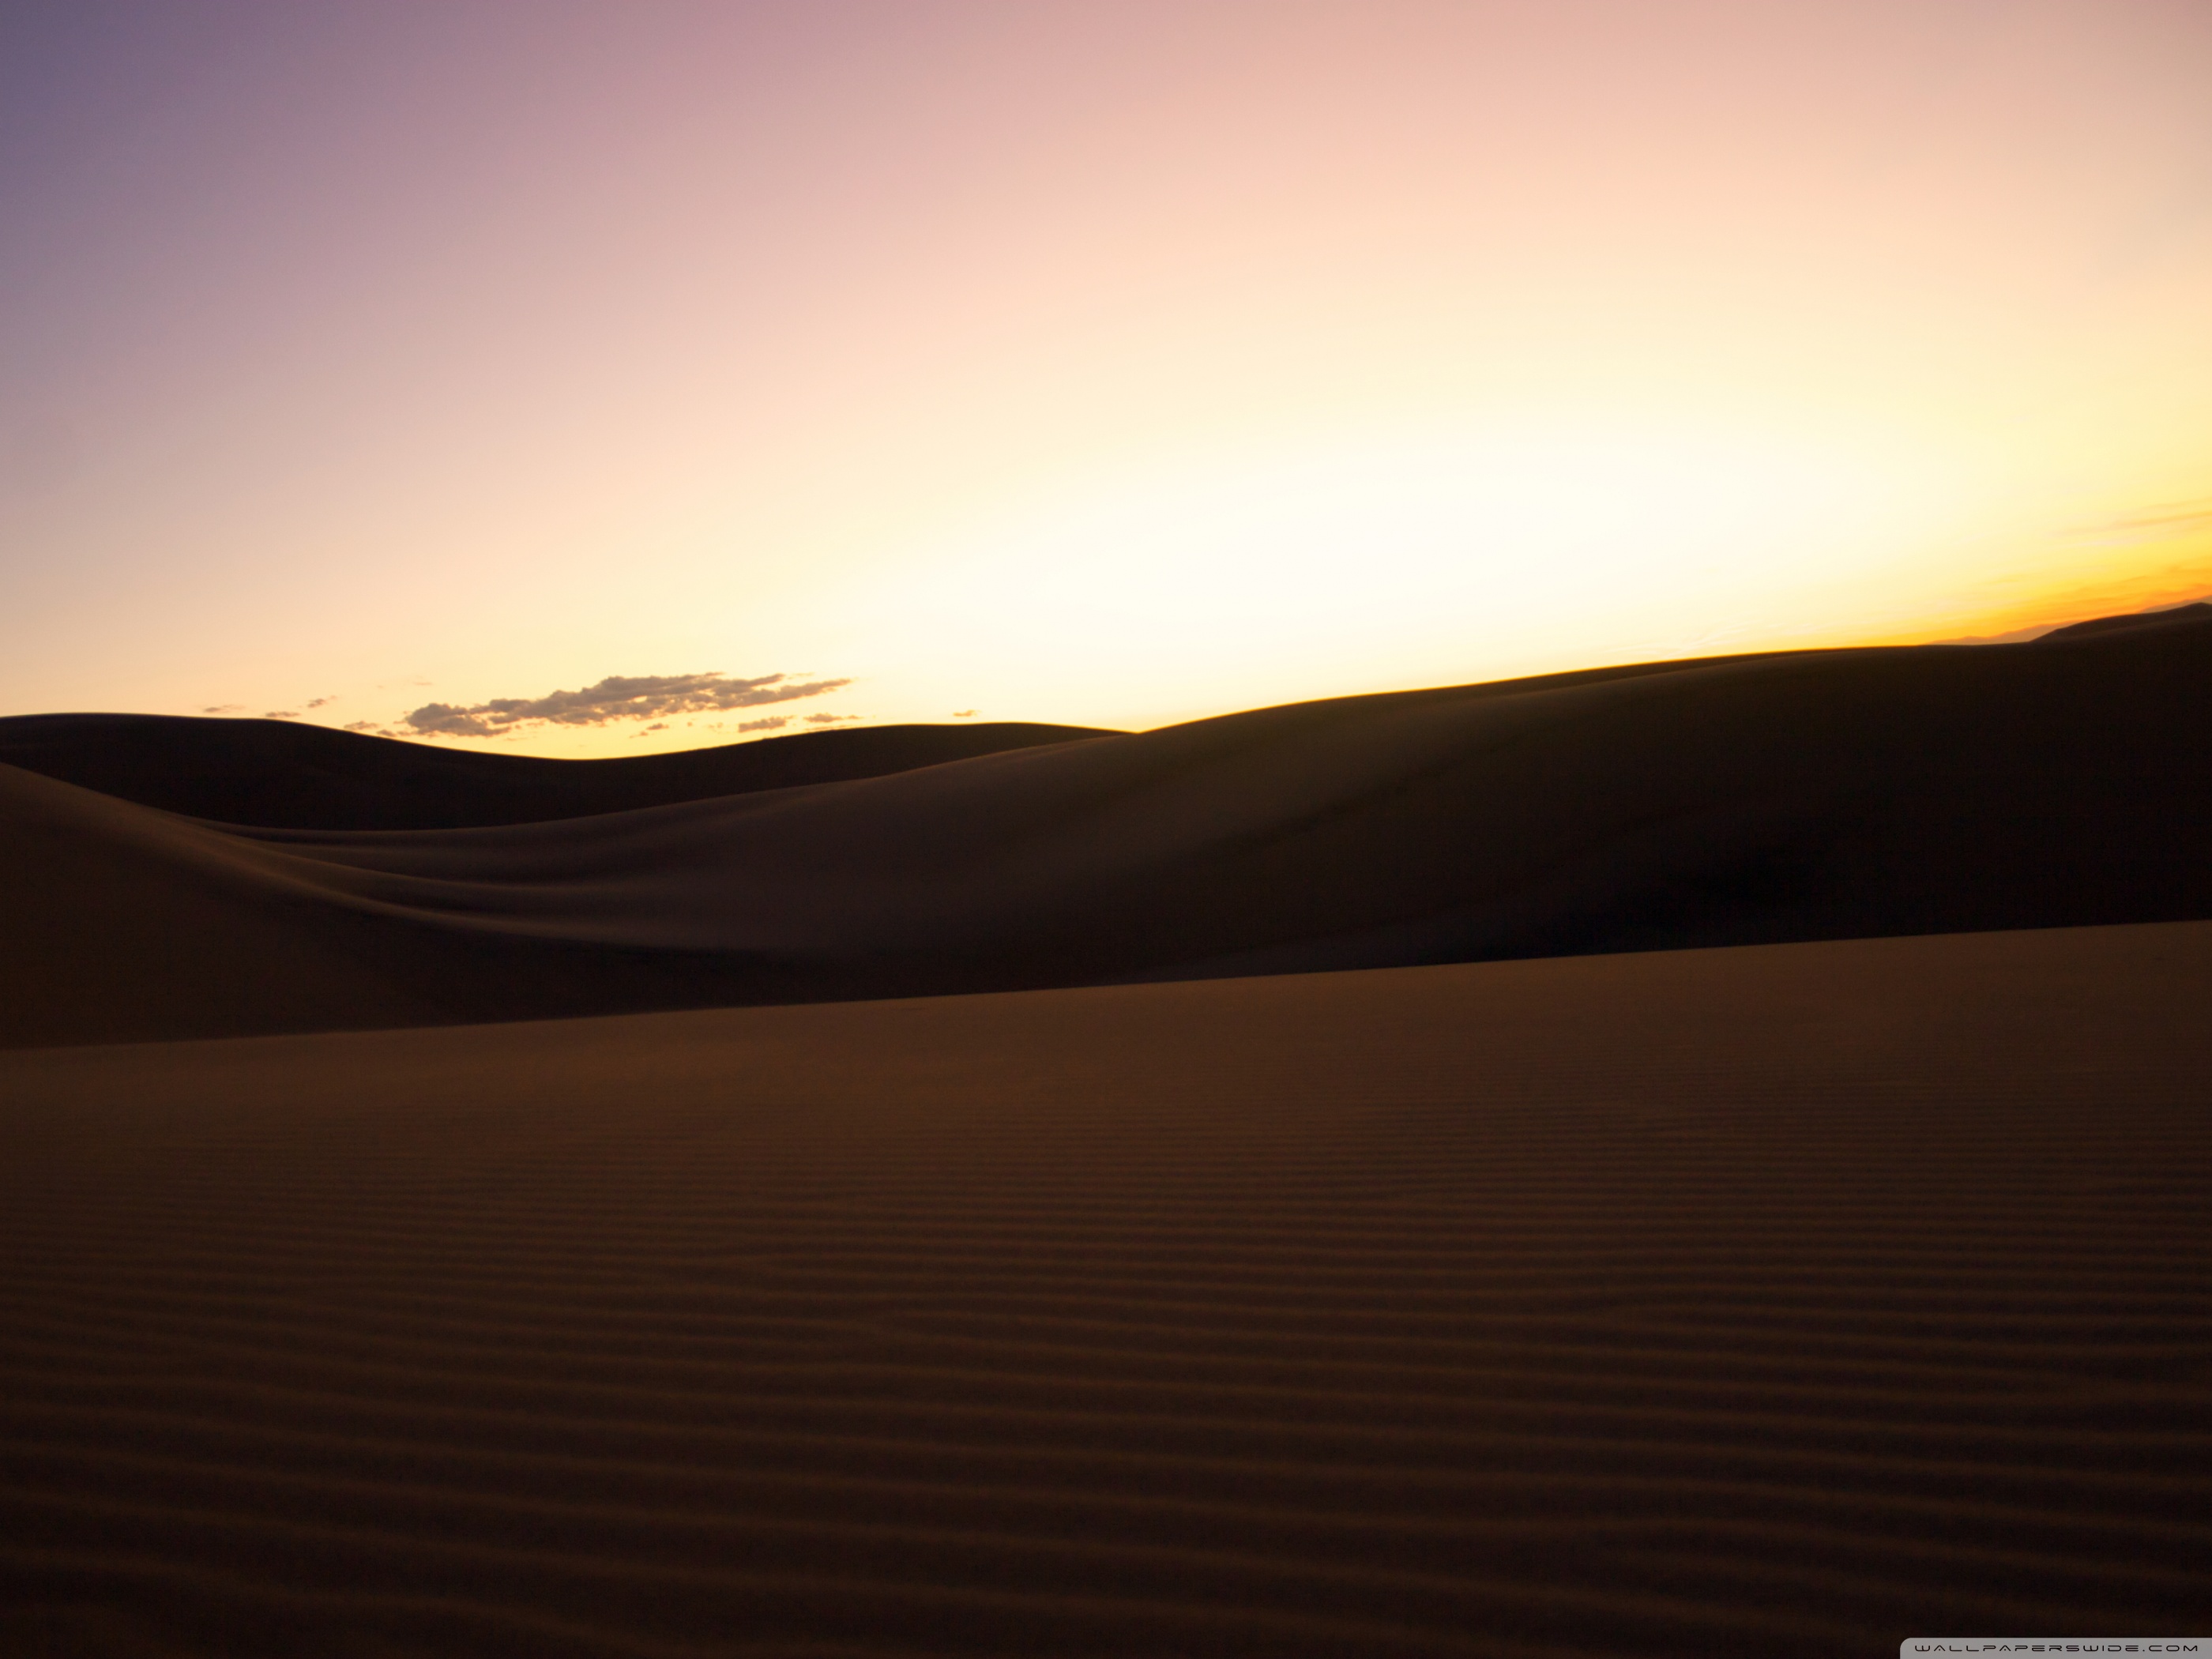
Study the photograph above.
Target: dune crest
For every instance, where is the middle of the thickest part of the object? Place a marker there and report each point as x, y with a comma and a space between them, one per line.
1800, 796
278, 774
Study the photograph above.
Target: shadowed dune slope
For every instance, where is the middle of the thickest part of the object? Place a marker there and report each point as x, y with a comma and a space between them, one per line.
119, 924
279, 774
1811, 795
1712, 1303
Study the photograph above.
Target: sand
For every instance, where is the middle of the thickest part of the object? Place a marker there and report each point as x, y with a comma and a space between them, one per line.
1776, 1300
1695, 1158
294, 776
1800, 796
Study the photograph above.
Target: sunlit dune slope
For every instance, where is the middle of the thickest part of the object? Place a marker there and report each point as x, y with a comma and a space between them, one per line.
278, 774
1782, 1301
1809, 795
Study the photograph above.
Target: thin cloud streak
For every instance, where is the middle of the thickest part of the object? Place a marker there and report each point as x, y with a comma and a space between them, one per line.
619, 697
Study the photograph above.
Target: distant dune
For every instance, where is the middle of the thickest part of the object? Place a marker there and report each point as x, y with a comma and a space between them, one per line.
280, 774
2173, 616
1799, 796
1727, 1305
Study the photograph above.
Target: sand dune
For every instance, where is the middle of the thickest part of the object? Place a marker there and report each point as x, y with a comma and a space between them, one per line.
278, 773
1786, 1298
1808, 795
2134, 621
1782, 1300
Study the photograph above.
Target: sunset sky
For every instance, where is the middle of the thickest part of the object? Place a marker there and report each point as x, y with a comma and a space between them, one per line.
1109, 363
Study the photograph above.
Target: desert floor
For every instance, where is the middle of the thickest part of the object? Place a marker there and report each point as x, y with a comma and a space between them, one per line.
1770, 1300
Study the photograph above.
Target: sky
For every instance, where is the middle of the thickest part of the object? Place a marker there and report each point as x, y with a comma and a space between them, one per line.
596, 378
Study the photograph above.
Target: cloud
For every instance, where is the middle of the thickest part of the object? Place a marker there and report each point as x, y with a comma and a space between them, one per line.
619, 697
281, 715
772, 723
962, 714
224, 709
829, 720
318, 702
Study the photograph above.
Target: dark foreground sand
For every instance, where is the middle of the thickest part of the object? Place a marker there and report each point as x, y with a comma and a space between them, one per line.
1765, 1301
